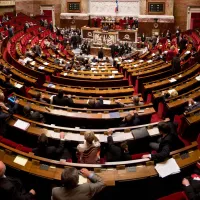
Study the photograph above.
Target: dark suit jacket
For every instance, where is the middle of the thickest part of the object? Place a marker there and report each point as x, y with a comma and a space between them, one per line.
176, 64
100, 54
164, 149
64, 101
134, 122
114, 152
10, 191
50, 152
193, 190
97, 104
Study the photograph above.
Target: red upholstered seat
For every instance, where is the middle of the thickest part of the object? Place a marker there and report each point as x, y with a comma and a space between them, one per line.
175, 196
138, 155
9, 143
149, 98
24, 149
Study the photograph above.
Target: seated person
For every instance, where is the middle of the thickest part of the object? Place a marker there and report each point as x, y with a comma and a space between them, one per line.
168, 141
39, 97
94, 59
169, 94
29, 53
90, 141
33, 115
114, 152
95, 104
136, 102
21, 60
70, 188
61, 100
7, 84
57, 60
10, 109
51, 152
192, 186
132, 119
11, 188
192, 105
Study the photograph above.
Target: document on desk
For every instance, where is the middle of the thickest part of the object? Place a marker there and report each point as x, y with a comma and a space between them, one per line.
101, 137
114, 115
121, 136
20, 160
172, 80
114, 72
17, 85
106, 102
153, 131
74, 137
21, 124
45, 63
198, 78
167, 168
82, 180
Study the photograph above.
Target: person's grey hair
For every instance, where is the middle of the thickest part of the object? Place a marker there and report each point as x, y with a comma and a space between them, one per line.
70, 177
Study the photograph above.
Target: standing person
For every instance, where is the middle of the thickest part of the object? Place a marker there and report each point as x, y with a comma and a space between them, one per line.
70, 188
176, 64
183, 44
10, 32
178, 32
11, 188
100, 53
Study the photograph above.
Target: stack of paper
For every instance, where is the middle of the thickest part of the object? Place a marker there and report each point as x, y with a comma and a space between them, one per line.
198, 78
119, 136
167, 168
172, 80
65, 74
141, 61
149, 61
17, 85
21, 160
135, 65
114, 72
82, 180
112, 76
40, 67
107, 102
21, 124
45, 63
32, 63
153, 131
187, 52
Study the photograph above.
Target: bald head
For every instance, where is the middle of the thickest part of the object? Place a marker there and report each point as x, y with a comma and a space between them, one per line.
2, 169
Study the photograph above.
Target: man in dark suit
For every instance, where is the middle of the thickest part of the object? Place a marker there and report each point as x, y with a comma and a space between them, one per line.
100, 54
51, 152
114, 152
192, 187
37, 50
51, 26
33, 115
176, 64
168, 141
132, 119
10, 32
11, 189
183, 43
112, 48
95, 104
10, 109
70, 188
61, 100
